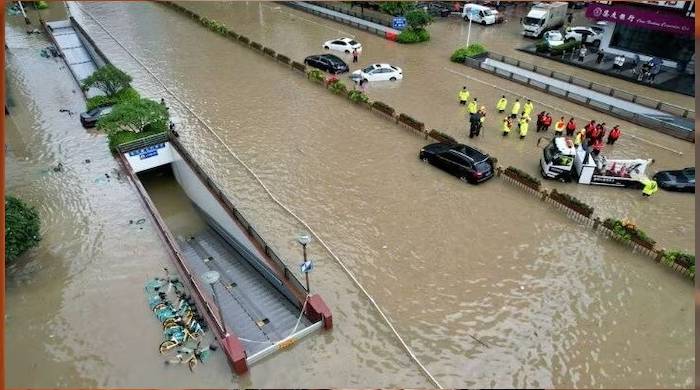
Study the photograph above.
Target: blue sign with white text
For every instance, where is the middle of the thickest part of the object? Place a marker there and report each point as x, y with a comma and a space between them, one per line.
398, 23
147, 152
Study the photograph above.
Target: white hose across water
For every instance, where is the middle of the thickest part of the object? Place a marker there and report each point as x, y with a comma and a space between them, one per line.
250, 171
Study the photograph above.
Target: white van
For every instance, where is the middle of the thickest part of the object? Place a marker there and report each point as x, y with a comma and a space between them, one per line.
480, 14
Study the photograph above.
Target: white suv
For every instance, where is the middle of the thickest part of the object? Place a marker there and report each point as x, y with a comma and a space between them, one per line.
592, 35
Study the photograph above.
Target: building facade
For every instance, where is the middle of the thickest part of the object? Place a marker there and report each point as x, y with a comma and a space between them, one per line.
664, 29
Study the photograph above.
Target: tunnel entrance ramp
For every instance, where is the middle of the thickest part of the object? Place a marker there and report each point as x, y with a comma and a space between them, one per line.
250, 305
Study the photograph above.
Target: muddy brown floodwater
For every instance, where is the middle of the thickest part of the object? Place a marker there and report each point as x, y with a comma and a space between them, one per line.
553, 304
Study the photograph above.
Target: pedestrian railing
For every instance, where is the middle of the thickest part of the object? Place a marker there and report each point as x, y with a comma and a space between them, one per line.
361, 26
601, 88
671, 128
355, 14
589, 221
143, 142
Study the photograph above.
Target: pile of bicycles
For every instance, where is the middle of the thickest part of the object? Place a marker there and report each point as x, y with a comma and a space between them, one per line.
183, 328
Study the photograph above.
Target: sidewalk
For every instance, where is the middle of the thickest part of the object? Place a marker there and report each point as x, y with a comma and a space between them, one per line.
668, 79
375, 28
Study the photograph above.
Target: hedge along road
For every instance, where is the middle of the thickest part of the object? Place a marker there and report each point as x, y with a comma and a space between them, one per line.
428, 93
553, 304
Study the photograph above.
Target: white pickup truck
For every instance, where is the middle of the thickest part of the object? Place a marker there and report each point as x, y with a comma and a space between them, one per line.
562, 161
544, 17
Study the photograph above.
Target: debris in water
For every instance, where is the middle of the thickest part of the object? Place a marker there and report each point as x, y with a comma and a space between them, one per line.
141, 221
58, 168
87, 161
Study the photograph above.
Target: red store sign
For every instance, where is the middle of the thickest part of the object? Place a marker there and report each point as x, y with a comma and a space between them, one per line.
645, 19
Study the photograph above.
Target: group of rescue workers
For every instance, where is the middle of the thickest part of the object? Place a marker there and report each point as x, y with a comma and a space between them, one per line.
590, 136
592, 133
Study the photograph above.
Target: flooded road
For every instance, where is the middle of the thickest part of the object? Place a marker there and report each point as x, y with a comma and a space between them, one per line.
552, 303
430, 77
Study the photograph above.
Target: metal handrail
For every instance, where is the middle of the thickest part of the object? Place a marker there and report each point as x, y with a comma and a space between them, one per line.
548, 72
143, 142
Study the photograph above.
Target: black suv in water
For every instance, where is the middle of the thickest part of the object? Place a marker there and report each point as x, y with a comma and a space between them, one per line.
328, 63
461, 160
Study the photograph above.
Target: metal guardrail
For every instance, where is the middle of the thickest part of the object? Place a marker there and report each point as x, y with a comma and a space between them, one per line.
280, 268
143, 142
337, 19
355, 14
643, 120
607, 90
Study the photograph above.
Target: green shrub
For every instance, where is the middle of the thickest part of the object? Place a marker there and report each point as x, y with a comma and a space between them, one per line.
403, 118
315, 75
461, 54
244, 39
418, 19
256, 45
413, 36
383, 107
396, 8
108, 79
627, 230
121, 137
441, 137
681, 258
283, 58
338, 88
232, 34
135, 116
269, 51
21, 227
357, 96
523, 177
41, 5
541, 46
566, 47
125, 95
572, 201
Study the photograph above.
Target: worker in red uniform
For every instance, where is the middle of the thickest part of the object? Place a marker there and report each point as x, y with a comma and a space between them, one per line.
589, 128
570, 127
592, 135
546, 122
614, 134
540, 121
601, 131
597, 146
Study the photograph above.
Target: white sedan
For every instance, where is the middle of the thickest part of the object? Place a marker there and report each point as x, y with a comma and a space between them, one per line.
346, 45
553, 38
593, 35
378, 72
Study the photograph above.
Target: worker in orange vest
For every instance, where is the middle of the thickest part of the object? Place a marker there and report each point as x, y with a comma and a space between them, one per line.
559, 127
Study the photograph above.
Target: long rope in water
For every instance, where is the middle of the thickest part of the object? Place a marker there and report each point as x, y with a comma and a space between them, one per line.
269, 193
556, 108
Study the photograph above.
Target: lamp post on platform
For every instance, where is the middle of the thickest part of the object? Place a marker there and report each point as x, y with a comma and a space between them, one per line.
307, 265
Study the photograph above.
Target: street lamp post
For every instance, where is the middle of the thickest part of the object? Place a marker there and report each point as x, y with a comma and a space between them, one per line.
304, 240
211, 278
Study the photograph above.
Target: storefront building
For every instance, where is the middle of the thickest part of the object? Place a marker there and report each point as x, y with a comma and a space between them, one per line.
664, 29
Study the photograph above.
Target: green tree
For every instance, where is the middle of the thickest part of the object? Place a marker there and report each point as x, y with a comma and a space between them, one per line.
418, 19
108, 79
135, 116
396, 8
21, 227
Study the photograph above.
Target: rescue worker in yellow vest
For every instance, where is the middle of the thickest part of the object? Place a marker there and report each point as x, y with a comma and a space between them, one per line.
507, 125
463, 96
523, 124
650, 187
472, 107
482, 119
516, 109
502, 104
578, 140
528, 107
559, 127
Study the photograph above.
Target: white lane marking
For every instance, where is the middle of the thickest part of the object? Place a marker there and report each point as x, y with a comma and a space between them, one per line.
557, 109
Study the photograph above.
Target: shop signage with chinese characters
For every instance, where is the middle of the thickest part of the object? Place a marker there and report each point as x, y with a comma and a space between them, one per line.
641, 18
